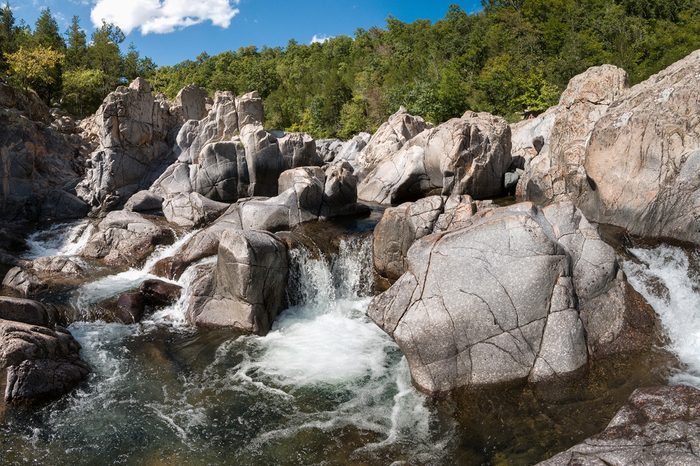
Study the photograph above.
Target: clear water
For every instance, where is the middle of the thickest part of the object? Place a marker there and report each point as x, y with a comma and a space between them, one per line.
325, 386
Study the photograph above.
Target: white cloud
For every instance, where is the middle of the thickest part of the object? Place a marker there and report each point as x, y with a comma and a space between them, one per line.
163, 16
320, 38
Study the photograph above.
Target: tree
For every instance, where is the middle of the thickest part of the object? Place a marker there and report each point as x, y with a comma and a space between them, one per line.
8, 35
82, 91
46, 32
34, 68
76, 50
104, 54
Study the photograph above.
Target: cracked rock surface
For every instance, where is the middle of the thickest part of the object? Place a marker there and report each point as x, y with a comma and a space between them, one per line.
501, 298
467, 155
659, 425
246, 288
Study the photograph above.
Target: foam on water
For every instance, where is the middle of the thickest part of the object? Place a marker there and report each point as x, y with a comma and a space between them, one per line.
113, 285
665, 277
63, 239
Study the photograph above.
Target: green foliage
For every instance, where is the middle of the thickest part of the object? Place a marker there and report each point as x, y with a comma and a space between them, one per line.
83, 91
34, 68
514, 57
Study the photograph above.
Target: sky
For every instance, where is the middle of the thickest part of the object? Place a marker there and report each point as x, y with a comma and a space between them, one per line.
170, 31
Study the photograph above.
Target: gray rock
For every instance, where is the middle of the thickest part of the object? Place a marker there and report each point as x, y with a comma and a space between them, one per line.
144, 201
133, 130
24, 310
389, 138
644, 154
500, 298
191, 101
659, 425
467, 155
250, 110
32, 278
557, 172
40, 361
62, 205
298, 150
192, 210
246, 290
401, 226
126, 239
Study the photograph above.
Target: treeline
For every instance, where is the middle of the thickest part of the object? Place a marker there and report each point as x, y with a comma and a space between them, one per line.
65, 69
512, 58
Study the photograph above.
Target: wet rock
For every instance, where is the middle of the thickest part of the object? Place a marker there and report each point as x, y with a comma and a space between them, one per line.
144, 201
389, 138
126, 239
501, 298
159, 293
643, 157
659, 425
46, 273
39, 361
467, 155
129, 308
401, 226
192, 210
62, 205
24, 310
246, 290
134, 131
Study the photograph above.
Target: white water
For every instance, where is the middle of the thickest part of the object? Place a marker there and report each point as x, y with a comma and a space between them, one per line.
665, 277
113, 285
323, 368
63, 239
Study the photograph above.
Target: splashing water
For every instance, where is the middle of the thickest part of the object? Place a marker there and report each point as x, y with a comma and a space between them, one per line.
63, 239
666, 277
324, 386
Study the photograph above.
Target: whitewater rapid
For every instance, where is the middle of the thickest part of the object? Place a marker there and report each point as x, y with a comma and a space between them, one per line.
667, 277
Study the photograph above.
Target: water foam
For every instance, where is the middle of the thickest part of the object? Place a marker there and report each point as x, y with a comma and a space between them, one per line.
63, 239
665, 277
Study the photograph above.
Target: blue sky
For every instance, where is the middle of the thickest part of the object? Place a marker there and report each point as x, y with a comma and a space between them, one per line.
170, 31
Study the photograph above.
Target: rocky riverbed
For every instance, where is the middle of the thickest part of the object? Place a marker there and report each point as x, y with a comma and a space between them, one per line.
185, 286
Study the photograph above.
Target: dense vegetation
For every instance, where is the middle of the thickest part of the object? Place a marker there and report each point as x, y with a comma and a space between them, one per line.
514, 56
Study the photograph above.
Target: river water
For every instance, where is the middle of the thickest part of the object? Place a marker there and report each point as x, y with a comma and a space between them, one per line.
325, 386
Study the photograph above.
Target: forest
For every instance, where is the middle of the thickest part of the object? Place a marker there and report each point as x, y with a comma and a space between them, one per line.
512, 58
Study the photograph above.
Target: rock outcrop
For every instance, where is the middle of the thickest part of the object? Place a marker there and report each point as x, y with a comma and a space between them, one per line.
391, 136
557, 172
330, 150
402, 226
39, 164
659, 425
126, 238
467, 155
506, 298
135, 133
246, 288
40, 359
644, 155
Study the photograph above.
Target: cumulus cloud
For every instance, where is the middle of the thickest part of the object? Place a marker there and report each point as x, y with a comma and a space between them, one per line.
320, 38
163, 16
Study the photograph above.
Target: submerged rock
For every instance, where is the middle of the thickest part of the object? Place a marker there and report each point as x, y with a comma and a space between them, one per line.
502, 298
659, 425
246, 288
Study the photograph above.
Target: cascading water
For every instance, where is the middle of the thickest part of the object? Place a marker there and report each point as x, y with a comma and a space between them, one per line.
63, 239
325, 384
667, 277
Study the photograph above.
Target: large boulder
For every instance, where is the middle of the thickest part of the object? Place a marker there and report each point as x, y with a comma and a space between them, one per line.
246, 288
192, 210
191, 102
40, 360
644, 155
467, 155
330, 150
126, 238
659, 425
135, 132
32, 278
401, 226
557, 172
250, 109
38, 163
502, 299
388, 139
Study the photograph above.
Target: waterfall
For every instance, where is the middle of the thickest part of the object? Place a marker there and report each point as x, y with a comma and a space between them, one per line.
62, 239
667, 277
